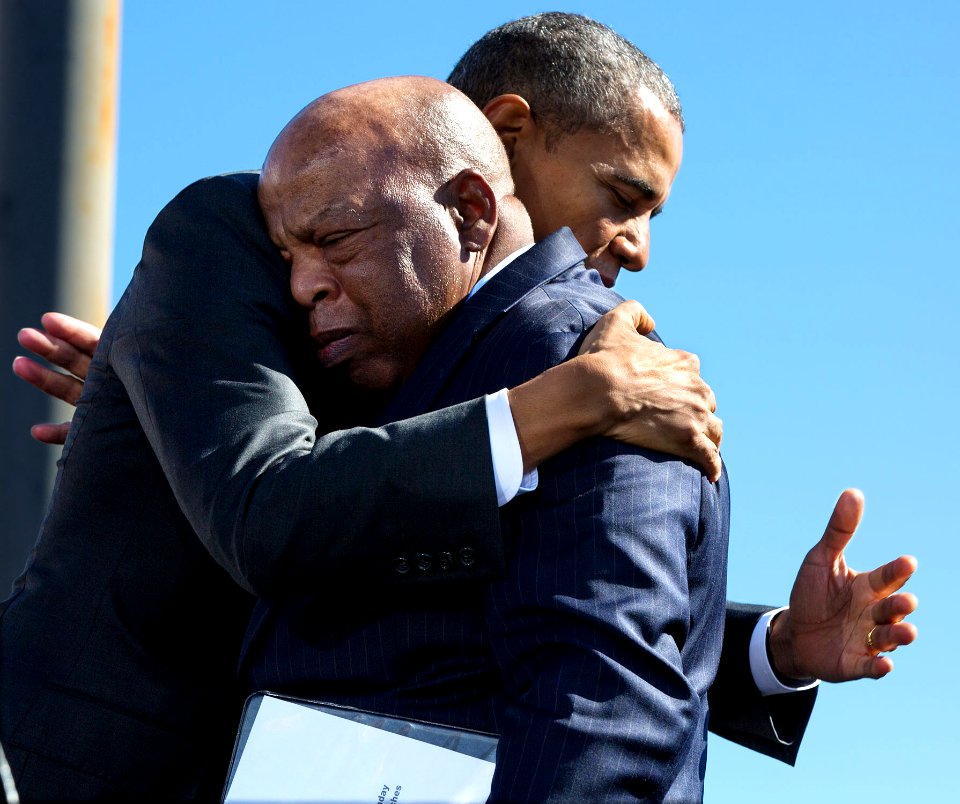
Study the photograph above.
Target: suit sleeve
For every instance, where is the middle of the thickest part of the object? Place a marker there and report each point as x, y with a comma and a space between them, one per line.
607, 626
213, 354
772, 724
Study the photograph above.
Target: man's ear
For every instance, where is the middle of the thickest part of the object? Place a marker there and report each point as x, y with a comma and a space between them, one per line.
511, 118
473, 206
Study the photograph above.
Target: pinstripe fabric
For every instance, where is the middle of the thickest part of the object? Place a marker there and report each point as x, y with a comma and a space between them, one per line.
593, 656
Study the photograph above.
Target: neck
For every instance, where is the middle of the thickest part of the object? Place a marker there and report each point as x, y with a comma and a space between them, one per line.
513, 231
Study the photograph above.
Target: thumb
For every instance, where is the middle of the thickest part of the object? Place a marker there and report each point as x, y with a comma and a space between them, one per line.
642, 320
843, 522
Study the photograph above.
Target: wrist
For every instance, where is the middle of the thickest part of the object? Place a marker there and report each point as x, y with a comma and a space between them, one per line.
596, 393
768, 681
781, 651
554, 410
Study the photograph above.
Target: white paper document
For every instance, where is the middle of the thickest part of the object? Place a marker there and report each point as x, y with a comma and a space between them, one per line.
294, 752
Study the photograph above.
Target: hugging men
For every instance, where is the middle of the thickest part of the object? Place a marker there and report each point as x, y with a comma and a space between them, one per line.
120, 644
593, 656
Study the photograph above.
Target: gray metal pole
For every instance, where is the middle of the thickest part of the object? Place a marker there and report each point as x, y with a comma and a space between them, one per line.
58, 88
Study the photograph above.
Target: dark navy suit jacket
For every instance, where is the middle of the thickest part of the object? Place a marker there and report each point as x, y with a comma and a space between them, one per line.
593, 656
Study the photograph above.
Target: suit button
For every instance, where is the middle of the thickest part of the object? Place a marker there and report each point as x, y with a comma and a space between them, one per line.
445, 560
468, 556
424, 561
401, 565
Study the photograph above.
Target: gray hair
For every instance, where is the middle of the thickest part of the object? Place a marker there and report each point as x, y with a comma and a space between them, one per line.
575, 72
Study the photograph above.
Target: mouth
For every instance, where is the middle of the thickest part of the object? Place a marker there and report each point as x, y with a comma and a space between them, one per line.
333, 345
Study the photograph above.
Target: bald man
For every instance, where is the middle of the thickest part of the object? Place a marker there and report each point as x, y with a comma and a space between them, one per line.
593, 657
516, 73
194, 478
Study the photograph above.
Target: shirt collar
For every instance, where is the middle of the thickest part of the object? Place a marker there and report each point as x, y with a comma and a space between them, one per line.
498, 268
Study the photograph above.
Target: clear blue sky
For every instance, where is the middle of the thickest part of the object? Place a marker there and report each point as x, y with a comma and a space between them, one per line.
807, 254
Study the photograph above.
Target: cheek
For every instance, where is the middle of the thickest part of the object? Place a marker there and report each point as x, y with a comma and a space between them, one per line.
420, 282
399, 306
388, 284
437, 278
593, 235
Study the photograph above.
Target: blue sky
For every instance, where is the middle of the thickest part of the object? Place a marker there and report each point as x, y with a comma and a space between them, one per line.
807, 255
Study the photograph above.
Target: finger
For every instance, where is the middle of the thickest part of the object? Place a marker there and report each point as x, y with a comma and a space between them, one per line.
51, 433
891, 576
714, 429
56, 351
704, 454
711, 400
635, 312
891, 637
52, 383
37, 341
843, 523
618, 324
79, 334
873, 667
894, 608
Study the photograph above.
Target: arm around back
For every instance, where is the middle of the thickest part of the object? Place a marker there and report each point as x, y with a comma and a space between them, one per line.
214, 355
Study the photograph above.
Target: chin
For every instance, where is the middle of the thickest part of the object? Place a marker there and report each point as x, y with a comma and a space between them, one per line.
375, 379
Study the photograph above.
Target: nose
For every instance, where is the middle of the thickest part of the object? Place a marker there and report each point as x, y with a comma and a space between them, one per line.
631, 245
311, 281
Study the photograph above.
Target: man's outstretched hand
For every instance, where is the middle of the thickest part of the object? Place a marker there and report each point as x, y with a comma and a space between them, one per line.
65, 342
833, 608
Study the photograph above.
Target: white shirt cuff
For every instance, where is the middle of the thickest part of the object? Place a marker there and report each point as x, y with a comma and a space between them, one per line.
505, 449
763, 675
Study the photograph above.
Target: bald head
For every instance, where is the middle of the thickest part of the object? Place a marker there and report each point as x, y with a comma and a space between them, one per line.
405, 128
389, 199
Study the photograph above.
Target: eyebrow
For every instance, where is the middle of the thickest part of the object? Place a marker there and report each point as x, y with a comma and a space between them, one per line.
320, 216
642, 186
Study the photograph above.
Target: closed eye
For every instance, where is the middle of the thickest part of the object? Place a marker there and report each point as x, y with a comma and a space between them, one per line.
621, 199
330, 239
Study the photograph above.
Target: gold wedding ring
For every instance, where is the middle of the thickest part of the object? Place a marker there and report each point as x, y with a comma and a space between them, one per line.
870, 645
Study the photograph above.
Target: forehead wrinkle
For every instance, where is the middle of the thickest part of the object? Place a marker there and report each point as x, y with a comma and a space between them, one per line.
316, 201
310, 193
346, 210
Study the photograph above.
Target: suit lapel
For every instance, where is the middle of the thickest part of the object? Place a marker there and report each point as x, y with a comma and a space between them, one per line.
550, 257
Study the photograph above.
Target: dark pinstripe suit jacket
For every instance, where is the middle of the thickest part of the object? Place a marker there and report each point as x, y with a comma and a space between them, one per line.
593, 657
